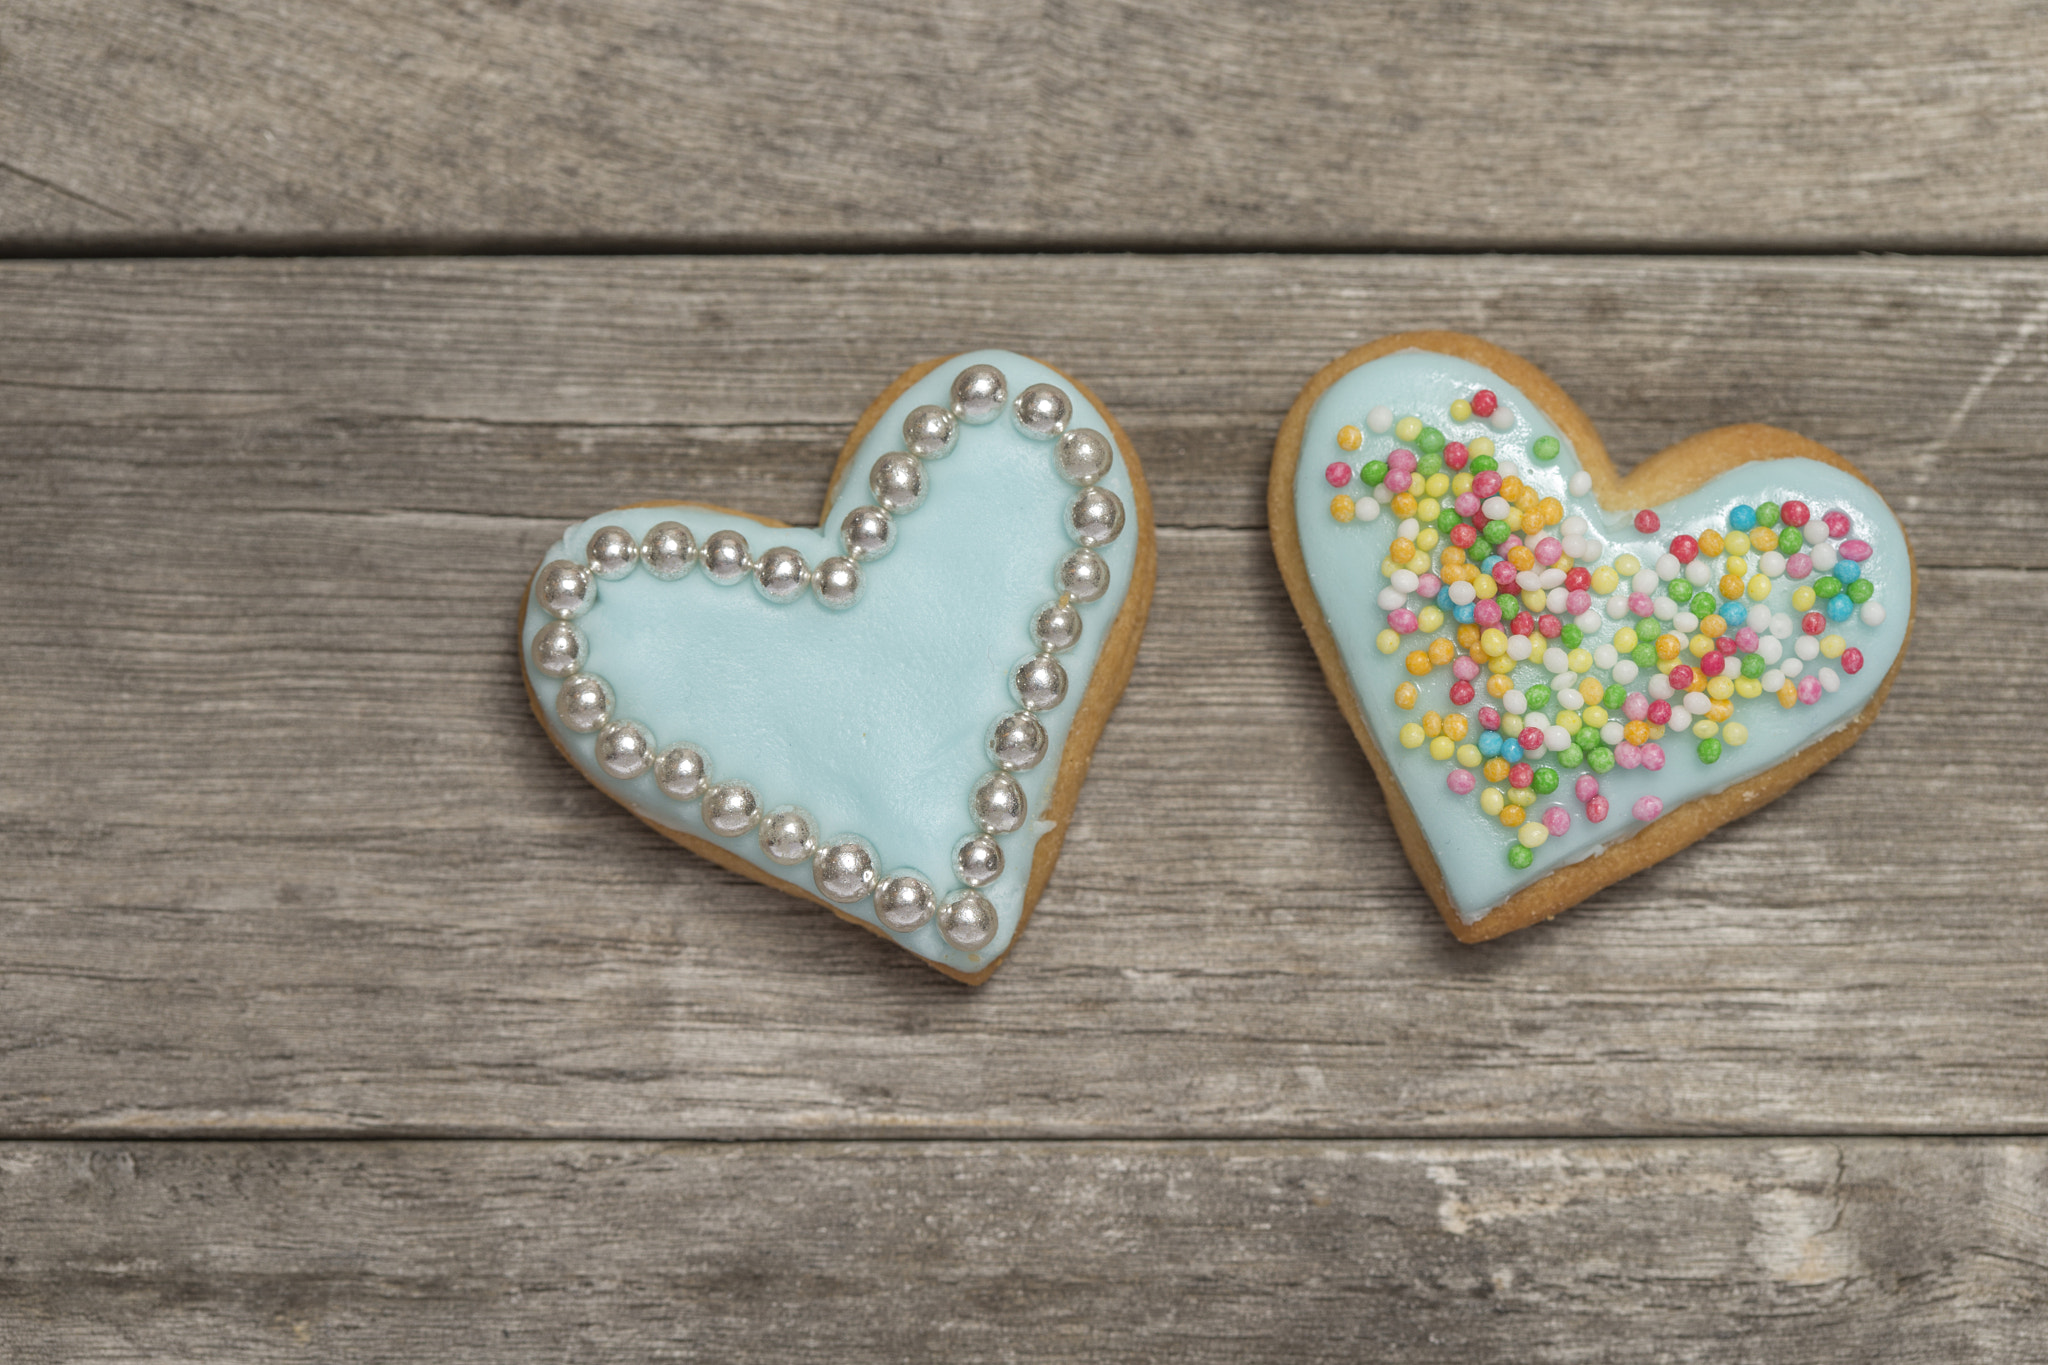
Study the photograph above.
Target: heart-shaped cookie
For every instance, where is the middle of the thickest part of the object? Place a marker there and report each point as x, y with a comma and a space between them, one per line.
892, 713
1561, 675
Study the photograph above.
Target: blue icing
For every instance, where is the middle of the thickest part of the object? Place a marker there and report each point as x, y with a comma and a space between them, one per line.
1343, 562
874, 719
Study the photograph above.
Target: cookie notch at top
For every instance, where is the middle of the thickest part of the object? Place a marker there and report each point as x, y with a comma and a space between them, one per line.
1771, 682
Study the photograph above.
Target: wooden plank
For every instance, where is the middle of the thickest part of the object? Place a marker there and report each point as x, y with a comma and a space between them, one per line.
286, 853
1853, 122
1857, 1252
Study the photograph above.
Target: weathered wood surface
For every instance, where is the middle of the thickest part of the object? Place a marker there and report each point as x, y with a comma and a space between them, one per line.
1853, 123
1841, 1253
286, 854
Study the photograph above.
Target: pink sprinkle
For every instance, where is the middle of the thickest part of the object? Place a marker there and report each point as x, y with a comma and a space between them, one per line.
1587, 787
1628, 755
1653, 756
1504, 574
1745, 640
1486, 613
1646, 521
1858, 550
1659, 712
1489, 719
1467, 504
1462, 693
1578, 603
1596, 809
1647, 808
1549, 626
1399, 479
1465, 668
1838, 524
1799, 565
1402, 620
1456, 456
1852, 660
1636, 706
1461, 781
1486, 483
1403, 460
1339, 474
1510, 543
1429, 585
1640, 604
1550, 549
1809, 689
1557, 820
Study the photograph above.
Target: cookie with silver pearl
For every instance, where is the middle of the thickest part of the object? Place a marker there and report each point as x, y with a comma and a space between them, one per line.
958, 901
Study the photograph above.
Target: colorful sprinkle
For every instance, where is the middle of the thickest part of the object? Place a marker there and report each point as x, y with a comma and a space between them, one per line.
1647, 808
1647, 522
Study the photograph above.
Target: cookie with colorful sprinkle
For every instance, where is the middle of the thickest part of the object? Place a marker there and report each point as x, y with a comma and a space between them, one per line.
1562, 675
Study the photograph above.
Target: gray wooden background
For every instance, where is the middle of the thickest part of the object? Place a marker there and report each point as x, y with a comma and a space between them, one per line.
342, 1021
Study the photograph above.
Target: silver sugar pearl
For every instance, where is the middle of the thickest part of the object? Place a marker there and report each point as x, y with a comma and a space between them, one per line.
978, 394
904, 901
1083, 456
611, 552
584, 703
725, 556
559, 649
781, 574
930, 432
682, 771
1017, 742
669, 550
1042, 411
837, 582
1095, 517
566, 588
844, 869
731, 809
789, 835
1039, 683
979, 860
867, 533
624, 749
997, 803
1083, 575
967, 921
897, 481
1057, 626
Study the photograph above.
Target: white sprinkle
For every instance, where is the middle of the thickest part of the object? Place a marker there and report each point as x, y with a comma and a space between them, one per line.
1606, 656
1462, 593
1408, 529
1588, 620
1496, 508
1781, 625
1514, 703
1772, 648
1773, 679
1680, 723
1759, 618
1625, 671
1771, 564
1697, 573
1660, 688
1685, 622
1551, 577
1392, 599
1404, 580
1617, 605
1571, 699
1592, 550
1582, 484
1872, 614
1379, 419
1556, 660
1527, 579
1612, 733
1792, 668
1697, 703
1369, 511
1382, 494
1668, 567
1807, 648
1664, 609
1646, 580
1518, 647
1555, 602
1823, 557
1830, 681
1557, 739
1575, 526
1538, 720
1503, 419
1574, 545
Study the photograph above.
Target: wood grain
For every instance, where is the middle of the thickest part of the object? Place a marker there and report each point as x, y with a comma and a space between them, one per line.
286, 855
1844, 1253
1850, 123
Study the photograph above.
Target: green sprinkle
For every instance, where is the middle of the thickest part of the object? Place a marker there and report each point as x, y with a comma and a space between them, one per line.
1678, 590
1539, 696
1790, 540
1545, 781
1767, 515
1860, 591
1702, 604
1428, 463
1374, 472
1430, 442
1572, 756
1482, 463
1753, 665
1826, 586
1616, 695
1645, 655
1545, 448
1496, 532
1571, 637
1600, 759
1710, 750
1520, 857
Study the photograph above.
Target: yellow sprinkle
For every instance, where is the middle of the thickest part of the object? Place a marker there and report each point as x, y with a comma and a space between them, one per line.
1408, 428
1412, 736
1343, 508
1735, 732
1442, 747
1628, 566
1461, 411
1350, 438
1492, 800
1482, 446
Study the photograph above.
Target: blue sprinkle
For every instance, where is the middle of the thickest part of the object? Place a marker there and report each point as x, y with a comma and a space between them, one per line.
1847, 571
1735, 613
1742, 517
1840, 608
1489, 743
1511, 750
1486, 564
1463, 615
1443, 597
